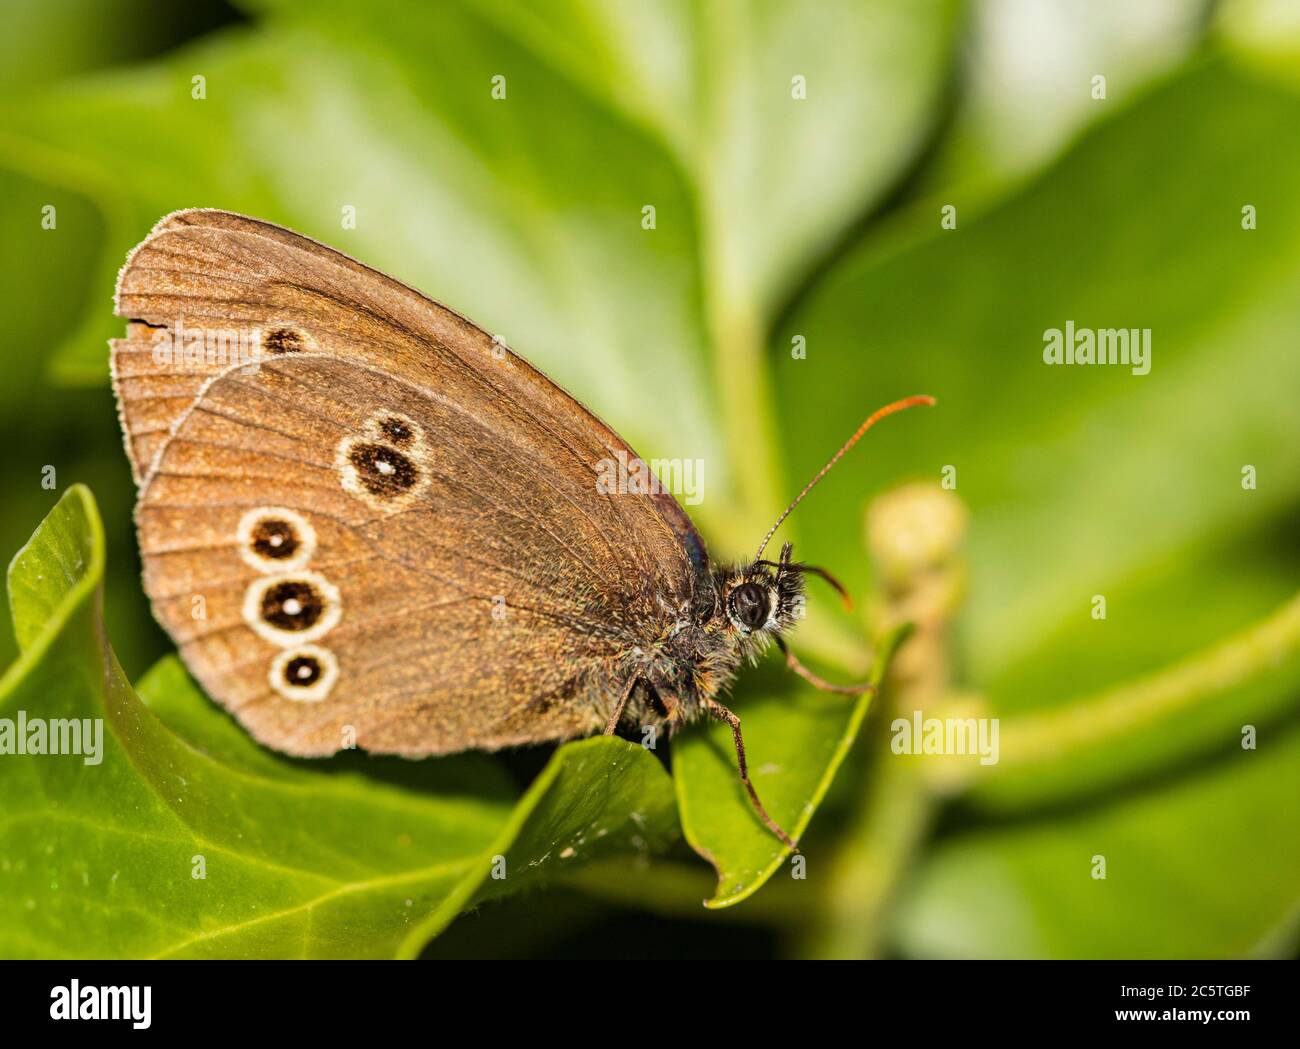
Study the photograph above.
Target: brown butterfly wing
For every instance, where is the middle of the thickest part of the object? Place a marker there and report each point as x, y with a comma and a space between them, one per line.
449, 563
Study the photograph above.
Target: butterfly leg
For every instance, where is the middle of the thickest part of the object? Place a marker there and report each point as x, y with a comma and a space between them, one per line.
616, 715
723, 714
820, 682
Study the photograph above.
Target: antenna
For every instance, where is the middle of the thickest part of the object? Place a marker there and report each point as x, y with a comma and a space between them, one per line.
872, 419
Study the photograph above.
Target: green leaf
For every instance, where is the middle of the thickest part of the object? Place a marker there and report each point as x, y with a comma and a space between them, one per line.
795, 742
1198, 866
347, 857
1263, 34
720, 84
717, 86
46, 42
1192, 709
1017, 111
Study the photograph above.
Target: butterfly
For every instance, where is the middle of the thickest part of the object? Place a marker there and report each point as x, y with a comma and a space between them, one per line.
367, 523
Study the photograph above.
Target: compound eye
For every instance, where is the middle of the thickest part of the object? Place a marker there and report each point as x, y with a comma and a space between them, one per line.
749, 605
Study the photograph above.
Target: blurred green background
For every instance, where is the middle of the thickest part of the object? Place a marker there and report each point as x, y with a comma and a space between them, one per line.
814, 221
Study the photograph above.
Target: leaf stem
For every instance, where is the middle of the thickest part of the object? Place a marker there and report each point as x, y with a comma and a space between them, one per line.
1086, 726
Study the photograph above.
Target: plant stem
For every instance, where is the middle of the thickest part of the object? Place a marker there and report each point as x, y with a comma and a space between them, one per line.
921, 583
1044, 740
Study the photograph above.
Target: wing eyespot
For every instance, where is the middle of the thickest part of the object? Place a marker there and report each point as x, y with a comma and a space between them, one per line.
379, 474
280, 339
290, 608
304, 673
275, 539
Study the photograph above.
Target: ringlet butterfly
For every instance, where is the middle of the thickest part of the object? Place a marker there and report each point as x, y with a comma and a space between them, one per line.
366, 522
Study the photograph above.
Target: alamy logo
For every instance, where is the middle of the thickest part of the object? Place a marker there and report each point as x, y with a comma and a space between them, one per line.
626, 475
1130, 347
24, 735
102, 1003
946, 736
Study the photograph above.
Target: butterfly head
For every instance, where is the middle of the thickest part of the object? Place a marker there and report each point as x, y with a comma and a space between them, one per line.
764, 597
